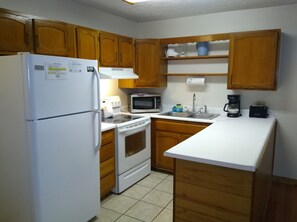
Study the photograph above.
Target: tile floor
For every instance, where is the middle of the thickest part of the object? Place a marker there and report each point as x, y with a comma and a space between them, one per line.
148, 200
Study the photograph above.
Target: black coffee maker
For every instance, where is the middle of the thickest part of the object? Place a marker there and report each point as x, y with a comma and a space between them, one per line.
233, 106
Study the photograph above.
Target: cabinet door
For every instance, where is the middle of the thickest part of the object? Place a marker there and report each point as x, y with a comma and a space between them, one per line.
16, 33
146, 52
125, 51
108, 49
253, 60
164, 141
54, 38
87, 43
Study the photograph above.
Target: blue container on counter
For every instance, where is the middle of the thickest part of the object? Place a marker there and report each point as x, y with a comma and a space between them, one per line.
177, 108
202, 48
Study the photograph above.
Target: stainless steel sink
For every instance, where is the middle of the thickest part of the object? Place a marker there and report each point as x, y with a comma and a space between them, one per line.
195, 115
204, 115
177, 114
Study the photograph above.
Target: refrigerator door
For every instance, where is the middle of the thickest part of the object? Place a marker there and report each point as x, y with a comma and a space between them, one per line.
56, 86
66, 168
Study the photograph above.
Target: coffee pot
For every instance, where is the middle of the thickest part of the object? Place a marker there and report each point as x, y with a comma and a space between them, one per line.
233, 106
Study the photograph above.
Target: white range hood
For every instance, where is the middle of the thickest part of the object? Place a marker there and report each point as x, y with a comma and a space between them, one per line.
117, 73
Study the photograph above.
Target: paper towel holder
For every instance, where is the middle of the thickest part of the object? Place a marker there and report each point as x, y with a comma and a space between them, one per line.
195, 81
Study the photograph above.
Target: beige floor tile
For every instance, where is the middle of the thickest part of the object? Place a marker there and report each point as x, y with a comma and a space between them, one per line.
119, 203
150, 181
144, 211
169, 177
166, 186
107, 215
164, 216
107, 198
170, 205
158, 198
125, 218
136, 192
159, 174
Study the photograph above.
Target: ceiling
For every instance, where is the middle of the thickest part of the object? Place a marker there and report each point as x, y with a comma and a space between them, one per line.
166, 9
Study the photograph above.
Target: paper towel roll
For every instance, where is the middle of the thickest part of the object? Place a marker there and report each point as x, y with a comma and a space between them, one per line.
196, 81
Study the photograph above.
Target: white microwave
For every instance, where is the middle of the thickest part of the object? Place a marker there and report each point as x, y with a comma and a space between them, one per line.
144, 103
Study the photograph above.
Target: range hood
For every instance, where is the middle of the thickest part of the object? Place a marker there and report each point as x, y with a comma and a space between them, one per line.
116, 73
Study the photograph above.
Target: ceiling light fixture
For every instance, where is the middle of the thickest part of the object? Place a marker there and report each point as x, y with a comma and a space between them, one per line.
132, 2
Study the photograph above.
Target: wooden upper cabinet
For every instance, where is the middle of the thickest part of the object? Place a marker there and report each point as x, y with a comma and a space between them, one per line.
16, 33
108, 49
125, 51
147, 63
87, 43
253, 60
54, 38
116, 50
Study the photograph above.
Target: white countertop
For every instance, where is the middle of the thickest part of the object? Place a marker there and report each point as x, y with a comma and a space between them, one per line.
229, 142
107, 126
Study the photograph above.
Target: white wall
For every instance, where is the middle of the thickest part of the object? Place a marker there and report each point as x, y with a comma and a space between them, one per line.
282, 101
78, 14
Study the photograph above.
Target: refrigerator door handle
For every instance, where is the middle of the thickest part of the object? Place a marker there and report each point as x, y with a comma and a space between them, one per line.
96, 73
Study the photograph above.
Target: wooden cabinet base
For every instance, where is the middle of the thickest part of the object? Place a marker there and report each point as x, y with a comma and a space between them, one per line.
107, 183
204, 192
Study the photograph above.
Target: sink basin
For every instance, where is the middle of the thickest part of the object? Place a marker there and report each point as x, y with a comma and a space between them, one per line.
208, 116
177, 114
204, 115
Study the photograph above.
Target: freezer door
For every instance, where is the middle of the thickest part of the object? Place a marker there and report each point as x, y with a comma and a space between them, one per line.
66, 168
57, 86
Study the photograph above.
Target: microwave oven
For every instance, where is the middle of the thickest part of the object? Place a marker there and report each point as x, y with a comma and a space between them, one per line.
144, 103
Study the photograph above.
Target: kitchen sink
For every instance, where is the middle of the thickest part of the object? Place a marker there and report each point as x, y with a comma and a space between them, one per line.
195, 115
204, 115
177, 114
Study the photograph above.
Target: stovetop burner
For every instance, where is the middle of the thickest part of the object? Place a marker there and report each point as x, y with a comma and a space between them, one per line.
120, 118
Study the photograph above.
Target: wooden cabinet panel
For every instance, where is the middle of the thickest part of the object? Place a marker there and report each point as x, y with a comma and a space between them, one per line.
253, 60
108, 49
146, 61
165, 140
106, 152
107, 162
204, 192
125, 52
87, 43
116, 50
106, 184
107, 167
107, 137
168, 133
148, 65
16, 33
54, 38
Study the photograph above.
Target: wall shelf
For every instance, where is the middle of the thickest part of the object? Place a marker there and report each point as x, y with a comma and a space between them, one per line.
195, 74
197, 57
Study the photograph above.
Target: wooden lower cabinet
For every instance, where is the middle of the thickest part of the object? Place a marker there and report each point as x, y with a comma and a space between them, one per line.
204, 192
107, 163
166, 134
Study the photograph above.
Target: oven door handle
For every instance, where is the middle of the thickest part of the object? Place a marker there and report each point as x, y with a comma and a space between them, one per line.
133, 128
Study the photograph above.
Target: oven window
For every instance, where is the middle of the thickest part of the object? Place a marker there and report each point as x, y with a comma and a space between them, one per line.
143, 103
135, 143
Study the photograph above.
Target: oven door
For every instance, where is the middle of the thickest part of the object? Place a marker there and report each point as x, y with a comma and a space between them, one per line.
134, 145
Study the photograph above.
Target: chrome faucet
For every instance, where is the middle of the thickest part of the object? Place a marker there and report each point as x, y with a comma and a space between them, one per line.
204, 108
194, 103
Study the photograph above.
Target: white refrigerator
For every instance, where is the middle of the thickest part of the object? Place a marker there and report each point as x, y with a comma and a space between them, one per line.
49, 139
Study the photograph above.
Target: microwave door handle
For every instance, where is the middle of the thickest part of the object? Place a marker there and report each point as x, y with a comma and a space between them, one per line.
134, 128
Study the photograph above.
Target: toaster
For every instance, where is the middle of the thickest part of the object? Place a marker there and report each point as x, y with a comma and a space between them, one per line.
258, 111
